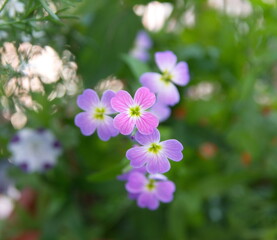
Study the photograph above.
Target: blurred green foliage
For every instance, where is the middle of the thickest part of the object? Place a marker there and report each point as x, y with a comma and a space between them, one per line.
226, 183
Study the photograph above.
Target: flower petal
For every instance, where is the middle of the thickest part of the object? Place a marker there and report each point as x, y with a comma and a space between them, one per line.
133, 196
152, 81
147, 123
148, 200
85, 122
165, 190
125, 176
169, 95
124, 123
121, 101
144, 98
138, 156
157, 164
106, 129
166, 61
158, 176
161, 111
173, 149
140, 54
143, 40
106, 100
136, 182
180, 74
147, 139
87, 99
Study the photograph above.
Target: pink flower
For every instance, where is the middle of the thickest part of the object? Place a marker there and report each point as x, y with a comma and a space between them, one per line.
154, 154
172, 72
133, 111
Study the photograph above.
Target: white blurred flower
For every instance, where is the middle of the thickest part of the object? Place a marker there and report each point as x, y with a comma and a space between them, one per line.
25, 37
3, 35
38, 34
13, 7
154, 14
8, 193
109, 83
34, 149
189, 18
241, 8
202, 91
6, 206
46, 64
35, 66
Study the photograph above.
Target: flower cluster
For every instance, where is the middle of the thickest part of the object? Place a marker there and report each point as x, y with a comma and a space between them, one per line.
139, 118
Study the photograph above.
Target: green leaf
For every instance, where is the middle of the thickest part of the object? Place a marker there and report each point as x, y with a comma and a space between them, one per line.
109, 173
48, 9
137, 67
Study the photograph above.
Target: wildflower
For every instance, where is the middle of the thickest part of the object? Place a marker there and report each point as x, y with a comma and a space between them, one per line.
162, 111
142, 44
14, 6
162, 84
153, 153
96, 115
133, 111
34, 150
149, 191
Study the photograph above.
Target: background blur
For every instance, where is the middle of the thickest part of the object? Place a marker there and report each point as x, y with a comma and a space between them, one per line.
226, 120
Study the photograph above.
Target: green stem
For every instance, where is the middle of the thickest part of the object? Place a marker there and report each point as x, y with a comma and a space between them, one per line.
3, 6
46, 7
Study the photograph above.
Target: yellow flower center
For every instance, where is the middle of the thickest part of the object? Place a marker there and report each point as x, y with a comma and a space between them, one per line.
135, 111
151, 185
155, 148
166, 77
99, 113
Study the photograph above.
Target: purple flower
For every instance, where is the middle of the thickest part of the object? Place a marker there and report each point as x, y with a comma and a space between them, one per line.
34, 150
153, 153
133, 111
142, 44
140, 54
96, 115
143, 40
149, 191
172, 72
161, 111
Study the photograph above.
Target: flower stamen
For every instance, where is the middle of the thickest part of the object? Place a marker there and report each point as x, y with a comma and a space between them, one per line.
99, 113
154, 148
135, 111
150, 186
166, 77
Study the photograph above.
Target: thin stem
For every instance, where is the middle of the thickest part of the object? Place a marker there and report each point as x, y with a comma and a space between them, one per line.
46, 7
3, 6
